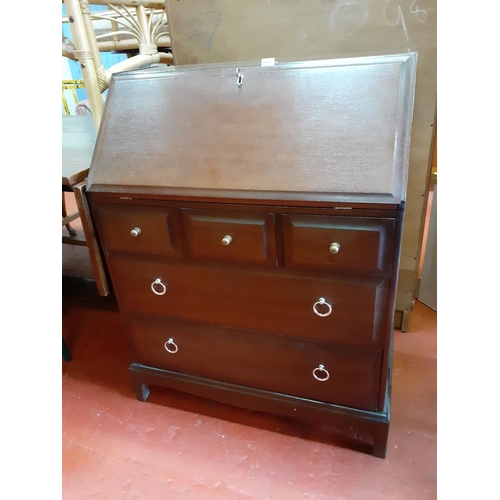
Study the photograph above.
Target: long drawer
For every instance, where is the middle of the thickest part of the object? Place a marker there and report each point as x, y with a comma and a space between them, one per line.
346, 310
313, 370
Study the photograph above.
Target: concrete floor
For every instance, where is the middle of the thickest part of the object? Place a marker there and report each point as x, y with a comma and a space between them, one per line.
177, 446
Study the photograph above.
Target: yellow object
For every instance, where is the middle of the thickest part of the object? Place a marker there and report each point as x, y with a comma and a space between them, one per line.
71, 85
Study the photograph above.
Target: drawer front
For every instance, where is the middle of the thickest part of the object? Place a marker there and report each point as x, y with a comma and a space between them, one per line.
353, 312
265, 361
230, 236
352, 245
148, 230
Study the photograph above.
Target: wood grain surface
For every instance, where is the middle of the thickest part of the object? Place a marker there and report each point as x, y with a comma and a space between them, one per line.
78, 141
262, 360
339, 126
272, 300
214, 31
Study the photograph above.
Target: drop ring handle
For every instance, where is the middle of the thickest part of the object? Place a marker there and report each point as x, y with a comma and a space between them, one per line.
322, 302
158, 283
171, 346
323, 370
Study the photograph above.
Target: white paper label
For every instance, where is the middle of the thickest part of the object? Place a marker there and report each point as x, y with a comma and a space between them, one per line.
269, 61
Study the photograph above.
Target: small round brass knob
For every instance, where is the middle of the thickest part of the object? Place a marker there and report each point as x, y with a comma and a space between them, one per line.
135, 232
334, 248
226, 240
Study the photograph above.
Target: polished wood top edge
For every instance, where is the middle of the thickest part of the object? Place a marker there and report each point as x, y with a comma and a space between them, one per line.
341, 210
291, 63
75, 178
387, 202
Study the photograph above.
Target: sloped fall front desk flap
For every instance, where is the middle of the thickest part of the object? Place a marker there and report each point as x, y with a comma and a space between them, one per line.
330, 129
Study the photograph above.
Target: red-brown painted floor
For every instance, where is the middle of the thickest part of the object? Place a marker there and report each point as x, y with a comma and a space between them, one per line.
177, 446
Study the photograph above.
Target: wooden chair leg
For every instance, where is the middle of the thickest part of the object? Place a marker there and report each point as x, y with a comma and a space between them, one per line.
71, 230
404, 322
65, 351
96, 259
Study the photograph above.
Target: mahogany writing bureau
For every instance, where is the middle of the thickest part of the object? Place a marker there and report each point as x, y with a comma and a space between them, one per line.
251, 219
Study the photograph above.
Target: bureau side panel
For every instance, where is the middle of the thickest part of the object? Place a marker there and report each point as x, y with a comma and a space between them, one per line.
387, 362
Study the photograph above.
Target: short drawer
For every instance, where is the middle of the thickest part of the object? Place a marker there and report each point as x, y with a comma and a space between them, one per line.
347, 310
238, 237
147, 230
353, 245
312, 370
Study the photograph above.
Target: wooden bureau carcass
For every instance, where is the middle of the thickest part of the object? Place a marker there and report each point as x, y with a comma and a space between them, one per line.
251, 220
